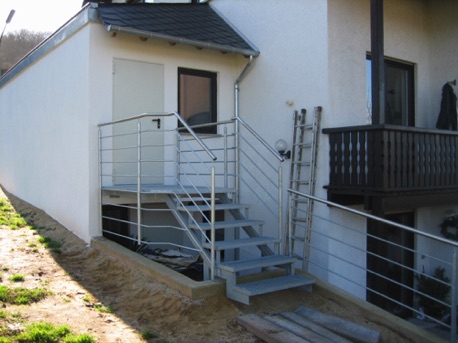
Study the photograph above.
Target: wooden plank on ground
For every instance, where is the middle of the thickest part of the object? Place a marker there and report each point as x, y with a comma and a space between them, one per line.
299, 320
350, 330
298, 330
268, 331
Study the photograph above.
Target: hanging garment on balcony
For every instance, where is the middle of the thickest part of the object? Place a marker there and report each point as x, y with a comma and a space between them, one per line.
447, 116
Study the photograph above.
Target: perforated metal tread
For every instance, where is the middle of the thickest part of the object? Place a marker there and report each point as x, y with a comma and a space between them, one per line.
261, 262
228, 224
244, 242
206, 207
273, 285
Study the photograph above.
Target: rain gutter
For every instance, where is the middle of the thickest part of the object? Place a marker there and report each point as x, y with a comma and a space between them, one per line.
180, 40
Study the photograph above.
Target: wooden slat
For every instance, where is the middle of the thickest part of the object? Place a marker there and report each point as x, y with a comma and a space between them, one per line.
268, 331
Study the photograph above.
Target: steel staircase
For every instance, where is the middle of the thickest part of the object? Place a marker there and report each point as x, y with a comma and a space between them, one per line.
232, 270
302, 179
186, 197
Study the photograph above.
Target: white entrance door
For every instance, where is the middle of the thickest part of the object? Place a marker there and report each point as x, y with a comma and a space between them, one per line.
138, 87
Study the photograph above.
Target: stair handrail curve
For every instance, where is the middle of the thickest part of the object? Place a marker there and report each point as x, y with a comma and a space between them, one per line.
165, 114
259, 138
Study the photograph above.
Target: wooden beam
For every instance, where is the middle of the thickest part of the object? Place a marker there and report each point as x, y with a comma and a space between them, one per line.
378, 67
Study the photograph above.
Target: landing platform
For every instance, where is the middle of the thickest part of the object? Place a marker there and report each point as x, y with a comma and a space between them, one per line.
166, 189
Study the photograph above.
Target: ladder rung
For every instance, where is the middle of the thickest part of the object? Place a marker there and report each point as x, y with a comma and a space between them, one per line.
305, 126
305, 201
301, 182
297, 238
302, 163
303, 145
299, 219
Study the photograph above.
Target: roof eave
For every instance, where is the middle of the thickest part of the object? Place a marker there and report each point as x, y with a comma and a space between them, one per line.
181, 40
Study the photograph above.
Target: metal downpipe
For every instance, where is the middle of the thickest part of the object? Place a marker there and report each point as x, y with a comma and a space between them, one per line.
237, 127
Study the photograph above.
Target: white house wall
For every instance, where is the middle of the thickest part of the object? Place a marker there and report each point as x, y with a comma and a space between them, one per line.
54, 106
45, 136
314, 53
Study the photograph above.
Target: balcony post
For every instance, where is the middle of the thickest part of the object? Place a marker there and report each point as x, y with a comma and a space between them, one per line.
378, 67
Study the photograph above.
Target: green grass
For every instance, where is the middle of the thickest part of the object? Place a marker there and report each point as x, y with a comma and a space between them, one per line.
22, 296
42, 332
17, 278
148, 335
50, 244
103, 309
9, 217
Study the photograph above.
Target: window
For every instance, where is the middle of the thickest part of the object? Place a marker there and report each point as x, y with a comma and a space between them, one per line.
197, 98
399, 93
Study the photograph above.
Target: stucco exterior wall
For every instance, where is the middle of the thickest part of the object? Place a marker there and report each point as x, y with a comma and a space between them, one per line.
44, 133
50, 113
314, 53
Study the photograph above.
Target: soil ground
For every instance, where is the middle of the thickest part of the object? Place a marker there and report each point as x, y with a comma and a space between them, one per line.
81, 277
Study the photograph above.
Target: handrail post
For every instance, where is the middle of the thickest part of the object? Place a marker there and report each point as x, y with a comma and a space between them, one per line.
225, 158
280, 207
178, 156
237, 156
139, 165
212, 224
453, 303
288, 246
100, 181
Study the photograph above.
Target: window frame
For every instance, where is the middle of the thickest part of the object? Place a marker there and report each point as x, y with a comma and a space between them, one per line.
213, 78
407, 67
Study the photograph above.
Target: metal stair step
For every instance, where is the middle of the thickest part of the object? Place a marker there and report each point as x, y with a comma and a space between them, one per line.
206, 207
260, 262
228, 224
273, 285
239, 243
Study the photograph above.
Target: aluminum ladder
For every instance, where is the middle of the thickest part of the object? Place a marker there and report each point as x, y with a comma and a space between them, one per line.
302, 179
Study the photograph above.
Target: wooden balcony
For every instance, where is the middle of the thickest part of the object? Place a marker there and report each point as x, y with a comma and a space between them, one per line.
389, 167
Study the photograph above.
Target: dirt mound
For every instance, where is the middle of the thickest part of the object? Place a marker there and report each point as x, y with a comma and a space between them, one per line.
95, 293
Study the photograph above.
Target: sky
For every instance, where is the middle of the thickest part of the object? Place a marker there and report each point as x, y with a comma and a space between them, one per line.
37, 15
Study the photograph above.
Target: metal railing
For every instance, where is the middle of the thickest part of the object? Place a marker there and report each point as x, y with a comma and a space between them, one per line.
149, 153
406, 271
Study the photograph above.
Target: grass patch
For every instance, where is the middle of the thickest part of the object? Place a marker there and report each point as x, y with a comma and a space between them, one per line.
17, 278
5, 268
103, 309
148, 335
42, 332
9, 217
22, 296
50, 244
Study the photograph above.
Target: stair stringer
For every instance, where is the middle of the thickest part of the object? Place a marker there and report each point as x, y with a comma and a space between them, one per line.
183, 220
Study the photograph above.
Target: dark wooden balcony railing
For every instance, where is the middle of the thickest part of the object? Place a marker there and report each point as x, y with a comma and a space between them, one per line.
385, 158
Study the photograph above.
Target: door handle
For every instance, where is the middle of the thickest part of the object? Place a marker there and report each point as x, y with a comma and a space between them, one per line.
158, 121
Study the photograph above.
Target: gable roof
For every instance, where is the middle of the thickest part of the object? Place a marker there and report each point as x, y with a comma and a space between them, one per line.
198, 25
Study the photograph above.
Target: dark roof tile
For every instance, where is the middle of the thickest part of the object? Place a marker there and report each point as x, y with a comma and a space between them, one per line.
197, 24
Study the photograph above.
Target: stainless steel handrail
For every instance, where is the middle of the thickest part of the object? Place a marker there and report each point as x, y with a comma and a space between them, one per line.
453, 263
259, 138
164, 114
